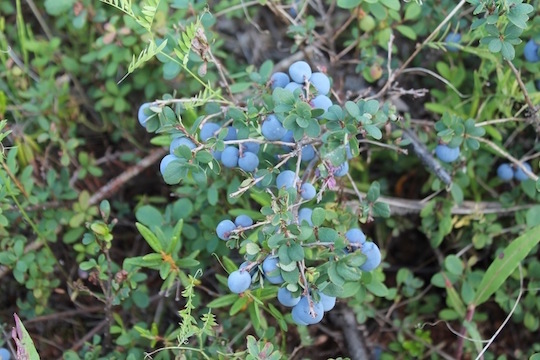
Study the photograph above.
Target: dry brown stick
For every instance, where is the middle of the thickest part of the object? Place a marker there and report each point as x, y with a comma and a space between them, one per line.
353, 338
400, 206
89, 335
127, 175
524, 91
64, 314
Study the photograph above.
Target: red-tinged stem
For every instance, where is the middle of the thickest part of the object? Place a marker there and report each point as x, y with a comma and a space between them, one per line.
468, 318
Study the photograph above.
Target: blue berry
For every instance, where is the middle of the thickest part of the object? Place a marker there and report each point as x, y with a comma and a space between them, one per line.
217, 154
328, 302
229, 157
286, 298
165, 162
279, 80
272, 129
301, 312
321, 82
505, 172
292, 86
248, 162
296, 318
4, 354
321, 102
271, 271
308, 152
356, 236
300, 71
181, 141
288, 137
252, 147
141, 115
452, 38
447, 154
286, 179
224, 229
537, 83
243, 221
342, 169
307, 191
520, 174
530, 52
239, 281
231, 134
304, 214
208, 130
373, 254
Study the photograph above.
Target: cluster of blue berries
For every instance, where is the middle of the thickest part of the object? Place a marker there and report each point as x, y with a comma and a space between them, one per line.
143, 115
312, 88
507, 172
447, 154
306, 309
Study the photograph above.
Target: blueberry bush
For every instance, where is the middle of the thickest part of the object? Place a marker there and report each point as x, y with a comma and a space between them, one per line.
269, 179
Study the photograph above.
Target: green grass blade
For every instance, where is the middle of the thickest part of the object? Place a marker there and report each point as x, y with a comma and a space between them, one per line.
25, 345
505, 264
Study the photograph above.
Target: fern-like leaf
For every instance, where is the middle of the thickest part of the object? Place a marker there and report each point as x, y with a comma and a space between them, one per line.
149, 10
184, 42
148, 53
122, 5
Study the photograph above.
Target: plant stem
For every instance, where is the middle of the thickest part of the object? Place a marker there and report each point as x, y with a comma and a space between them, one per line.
468, 317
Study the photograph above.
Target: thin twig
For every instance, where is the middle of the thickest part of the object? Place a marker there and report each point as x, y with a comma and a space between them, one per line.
399, 206
507, 317
525, 92
425, 156
418, 49
512, 159
113, 185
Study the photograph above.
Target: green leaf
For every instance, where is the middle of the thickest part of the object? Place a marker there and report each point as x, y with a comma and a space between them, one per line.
381, 209
453, 264
187, 263
352, 109
406, 31
57, 7
223, 301
238, 305
453, 299
328, 234
26, 342
533, 216
457, 193
150, 238
495, 45
373, 131
374, 192
239, 87
348, 4
413, 11
377, 288
508, 52
318, 216
518, 14
149, 216
505, 264
296, 252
